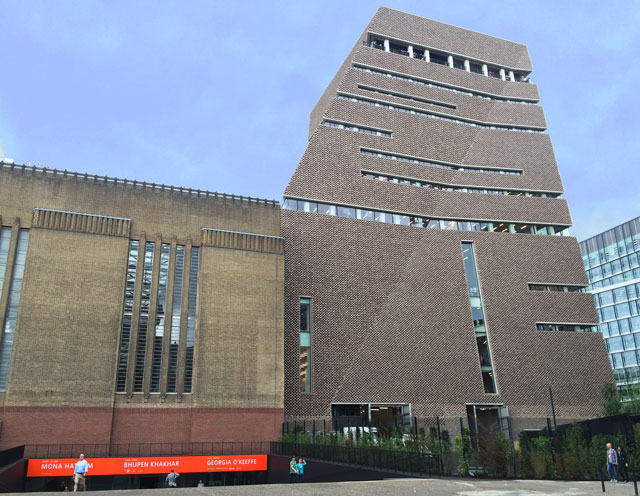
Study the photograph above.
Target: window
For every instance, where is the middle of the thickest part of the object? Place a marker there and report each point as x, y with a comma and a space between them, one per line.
176, 314
424, 113
451, 187
191, 318
5, 239
477, 68
305, 345
158, 339
477, 313
15, 288
143, 321
403, 219
357, 128
441, 165
127, 316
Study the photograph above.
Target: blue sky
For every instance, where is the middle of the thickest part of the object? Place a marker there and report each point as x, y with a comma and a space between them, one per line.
217, 95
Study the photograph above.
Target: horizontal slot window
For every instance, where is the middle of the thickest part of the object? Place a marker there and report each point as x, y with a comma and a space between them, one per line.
564, 327
441, 165
411, 220
434, 84
434, 115
561, 288
412, 98
451, 187
357, 128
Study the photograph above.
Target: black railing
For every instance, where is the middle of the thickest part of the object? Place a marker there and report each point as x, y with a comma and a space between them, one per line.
391, 460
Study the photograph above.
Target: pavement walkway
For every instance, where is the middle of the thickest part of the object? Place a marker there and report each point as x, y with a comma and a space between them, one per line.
397, 487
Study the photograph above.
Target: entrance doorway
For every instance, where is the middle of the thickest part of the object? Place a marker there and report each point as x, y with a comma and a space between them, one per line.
486, 420
383, 417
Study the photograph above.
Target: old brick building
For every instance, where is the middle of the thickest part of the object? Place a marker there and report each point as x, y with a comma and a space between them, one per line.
135, 312
429, 266
429, 271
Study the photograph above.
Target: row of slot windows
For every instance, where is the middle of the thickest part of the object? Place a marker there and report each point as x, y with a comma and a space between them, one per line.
420, 161
627, 378
404, 96
433, 84
422, 222
442, 58
143, 334
556, 287
432, 115
614, 267
358, 129
619, 327
563, 327
460, 189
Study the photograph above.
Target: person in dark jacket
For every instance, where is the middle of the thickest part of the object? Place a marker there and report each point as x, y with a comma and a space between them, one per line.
623, 464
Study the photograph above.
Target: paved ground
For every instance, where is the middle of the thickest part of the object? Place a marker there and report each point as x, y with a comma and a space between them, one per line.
400, 487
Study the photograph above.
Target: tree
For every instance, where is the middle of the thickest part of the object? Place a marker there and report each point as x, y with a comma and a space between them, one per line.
612, 403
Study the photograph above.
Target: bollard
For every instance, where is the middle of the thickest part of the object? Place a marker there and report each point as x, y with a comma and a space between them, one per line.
602, 481
635, 481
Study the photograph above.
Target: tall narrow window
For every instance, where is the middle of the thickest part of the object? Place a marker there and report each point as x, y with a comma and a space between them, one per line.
305, 345
174, 340
125, 332
5, 239
12, 308
158, 339
191, 318
477, 311
143, 321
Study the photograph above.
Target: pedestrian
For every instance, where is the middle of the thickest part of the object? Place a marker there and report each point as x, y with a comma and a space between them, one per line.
80, 474
171, 478
623, 464
300, 466
612, 463
200, 483
293, 469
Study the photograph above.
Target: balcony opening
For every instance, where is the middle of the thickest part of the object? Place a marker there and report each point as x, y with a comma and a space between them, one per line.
377, 418
438, 58
400, 49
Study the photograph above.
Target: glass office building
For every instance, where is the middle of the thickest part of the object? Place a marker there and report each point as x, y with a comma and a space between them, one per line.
612, 262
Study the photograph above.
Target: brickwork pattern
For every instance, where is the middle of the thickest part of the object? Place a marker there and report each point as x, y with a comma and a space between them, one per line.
391, 321
242, 241
80, 222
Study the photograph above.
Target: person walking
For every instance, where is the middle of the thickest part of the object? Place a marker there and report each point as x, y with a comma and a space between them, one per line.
171, 478
623, 464
293, 469
612, 463
80, 474
300, 466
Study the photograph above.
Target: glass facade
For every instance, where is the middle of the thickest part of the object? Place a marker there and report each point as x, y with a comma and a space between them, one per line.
612, 262
11, 316
477, 312
305, 345
5, 239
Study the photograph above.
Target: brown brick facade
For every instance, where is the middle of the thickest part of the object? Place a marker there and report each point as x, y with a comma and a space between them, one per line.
391, 320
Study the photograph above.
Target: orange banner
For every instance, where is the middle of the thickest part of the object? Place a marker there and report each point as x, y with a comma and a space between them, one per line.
148, 465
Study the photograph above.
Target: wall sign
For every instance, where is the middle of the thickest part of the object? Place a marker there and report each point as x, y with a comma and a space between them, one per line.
39, 467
